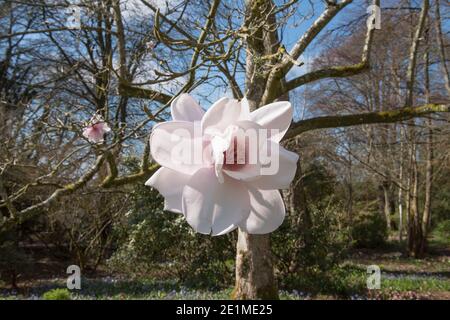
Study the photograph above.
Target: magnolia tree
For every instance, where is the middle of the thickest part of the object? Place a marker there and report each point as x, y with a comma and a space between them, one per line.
221, 167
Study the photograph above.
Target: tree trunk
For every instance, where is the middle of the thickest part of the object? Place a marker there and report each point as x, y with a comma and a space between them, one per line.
387, 204
429, 160
414, 228
254, 268
400, 190
255, 277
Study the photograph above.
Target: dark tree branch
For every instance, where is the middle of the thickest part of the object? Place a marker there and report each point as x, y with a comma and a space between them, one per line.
338, 71
128, 90
391, 116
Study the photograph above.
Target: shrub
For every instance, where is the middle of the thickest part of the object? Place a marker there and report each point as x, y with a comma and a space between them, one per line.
14, 260
369, 230
154, 243
57, 294
441, 232
310, 253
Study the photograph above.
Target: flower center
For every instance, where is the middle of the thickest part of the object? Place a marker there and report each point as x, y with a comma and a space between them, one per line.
229, 151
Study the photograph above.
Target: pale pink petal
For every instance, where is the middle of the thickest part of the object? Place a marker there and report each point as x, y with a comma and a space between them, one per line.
93, 134
214, 208
170, 184
221, 114
173, 145
103, 126
245, 110
267, 212
248, 172
249, 133
87, 132
277, 115
185, 108
287, 166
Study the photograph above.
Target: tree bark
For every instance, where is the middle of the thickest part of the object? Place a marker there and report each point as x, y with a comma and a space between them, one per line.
255, 277
387, 204
429, 161
254, 268
400, 189
414, 227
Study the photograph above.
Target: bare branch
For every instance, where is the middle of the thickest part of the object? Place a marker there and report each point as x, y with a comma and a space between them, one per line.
338, 71
129, 90
440, 41
410, 74
391, 116
70, 188
330, 12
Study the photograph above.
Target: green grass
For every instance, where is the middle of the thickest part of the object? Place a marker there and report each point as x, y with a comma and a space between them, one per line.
420, 285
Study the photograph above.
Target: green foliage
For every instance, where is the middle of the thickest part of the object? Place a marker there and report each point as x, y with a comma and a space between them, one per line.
319, 183
416, 284
440, 206
13, 259
57, 294
441, 233
161, 244
340, 281
369, 230
310, 253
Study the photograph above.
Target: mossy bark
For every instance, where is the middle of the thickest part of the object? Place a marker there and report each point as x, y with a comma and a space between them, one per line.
254, 268
255, 277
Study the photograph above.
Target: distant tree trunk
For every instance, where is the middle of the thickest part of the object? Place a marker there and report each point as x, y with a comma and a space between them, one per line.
440, 41
400, 189
387, 204
350, 189
429, 163
414, 225
414, 228
428, 190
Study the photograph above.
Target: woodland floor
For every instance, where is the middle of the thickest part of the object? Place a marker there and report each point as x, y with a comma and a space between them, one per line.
401, 278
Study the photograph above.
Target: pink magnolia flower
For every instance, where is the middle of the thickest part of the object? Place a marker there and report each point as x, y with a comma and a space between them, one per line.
96, 129
216, 195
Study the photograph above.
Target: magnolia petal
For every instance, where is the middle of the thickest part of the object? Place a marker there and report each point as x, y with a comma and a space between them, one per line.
185, 108
214, 208
220, 115
87, 132
245, 109
170, 184
267, 212
287, 166
173, 145
219, 145
253, 142
93, 135
247, 172
276, 116
103, 126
